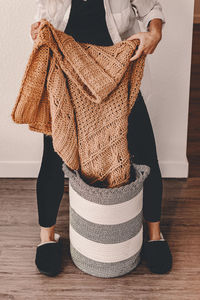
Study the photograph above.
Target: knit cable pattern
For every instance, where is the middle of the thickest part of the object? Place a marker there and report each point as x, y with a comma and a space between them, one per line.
82, 94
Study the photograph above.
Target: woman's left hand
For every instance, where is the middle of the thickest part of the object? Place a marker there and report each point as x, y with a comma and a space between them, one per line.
148, 43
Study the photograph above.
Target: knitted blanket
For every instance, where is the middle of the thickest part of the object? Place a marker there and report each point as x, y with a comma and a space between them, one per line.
81, 94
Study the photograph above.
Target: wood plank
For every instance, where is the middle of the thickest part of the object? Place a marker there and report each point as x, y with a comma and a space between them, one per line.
19, 231
193, 143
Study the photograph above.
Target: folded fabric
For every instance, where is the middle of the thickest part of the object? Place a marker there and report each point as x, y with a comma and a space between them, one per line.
82, 94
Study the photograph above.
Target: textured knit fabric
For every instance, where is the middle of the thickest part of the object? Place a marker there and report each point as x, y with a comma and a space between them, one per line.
82, 94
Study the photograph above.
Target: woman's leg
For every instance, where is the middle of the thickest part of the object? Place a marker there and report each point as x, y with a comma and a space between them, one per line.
141, 143
50, 189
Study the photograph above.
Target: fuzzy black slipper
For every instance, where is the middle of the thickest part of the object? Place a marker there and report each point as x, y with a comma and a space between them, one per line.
157, 255
48, 257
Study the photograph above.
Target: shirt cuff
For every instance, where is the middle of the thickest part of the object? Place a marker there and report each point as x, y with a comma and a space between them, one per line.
154, 14
32, 41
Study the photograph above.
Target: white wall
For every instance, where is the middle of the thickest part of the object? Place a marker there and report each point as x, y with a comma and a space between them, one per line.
170, 71
21, 149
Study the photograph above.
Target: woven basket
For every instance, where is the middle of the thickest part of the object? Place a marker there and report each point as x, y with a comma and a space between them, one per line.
106, 224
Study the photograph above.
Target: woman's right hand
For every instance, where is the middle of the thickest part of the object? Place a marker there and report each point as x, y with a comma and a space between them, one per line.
34, 30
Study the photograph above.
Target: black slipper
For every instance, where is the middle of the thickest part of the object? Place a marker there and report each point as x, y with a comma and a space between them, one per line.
48, 257
157, 255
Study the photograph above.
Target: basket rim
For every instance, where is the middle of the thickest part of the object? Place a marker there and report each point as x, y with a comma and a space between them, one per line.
137, 184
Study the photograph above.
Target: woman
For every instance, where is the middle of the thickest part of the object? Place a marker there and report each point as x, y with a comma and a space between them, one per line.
104, 22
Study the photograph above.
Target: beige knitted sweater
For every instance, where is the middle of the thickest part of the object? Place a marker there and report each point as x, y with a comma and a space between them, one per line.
81, 95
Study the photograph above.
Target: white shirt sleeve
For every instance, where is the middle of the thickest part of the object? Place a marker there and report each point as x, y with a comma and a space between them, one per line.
146, 10
41, 13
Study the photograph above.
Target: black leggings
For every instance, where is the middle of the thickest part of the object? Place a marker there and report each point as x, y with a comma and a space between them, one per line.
141, 143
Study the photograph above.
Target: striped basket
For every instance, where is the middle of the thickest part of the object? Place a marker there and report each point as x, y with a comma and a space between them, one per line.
106, 225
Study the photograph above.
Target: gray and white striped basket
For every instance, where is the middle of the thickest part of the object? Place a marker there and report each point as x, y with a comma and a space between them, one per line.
106, 224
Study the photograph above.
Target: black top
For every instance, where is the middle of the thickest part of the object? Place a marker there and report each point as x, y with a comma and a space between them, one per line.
87, 23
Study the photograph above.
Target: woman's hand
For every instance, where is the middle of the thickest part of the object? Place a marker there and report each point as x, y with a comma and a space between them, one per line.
34, 30
148, 40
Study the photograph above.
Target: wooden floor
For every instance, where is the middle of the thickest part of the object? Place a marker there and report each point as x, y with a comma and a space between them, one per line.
180, 224
19, 235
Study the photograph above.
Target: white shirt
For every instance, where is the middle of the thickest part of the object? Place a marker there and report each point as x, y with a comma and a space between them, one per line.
121, 16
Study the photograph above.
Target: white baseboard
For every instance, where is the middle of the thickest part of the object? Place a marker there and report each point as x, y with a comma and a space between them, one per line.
174, 169
30, 169
19, 169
